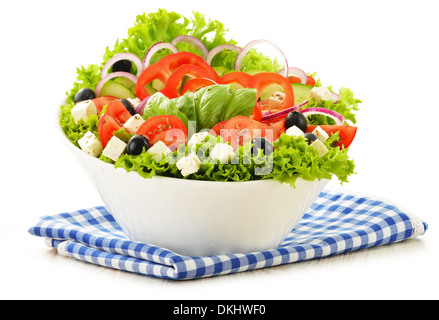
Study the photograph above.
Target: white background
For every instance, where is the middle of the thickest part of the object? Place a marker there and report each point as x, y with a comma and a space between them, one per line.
385, 51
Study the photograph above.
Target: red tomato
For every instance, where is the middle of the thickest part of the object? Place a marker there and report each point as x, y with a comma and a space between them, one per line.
310, 81
347, 133
294, 79
240, 129
278, 127
166, 128
118, 112
196, 84
102, 101
216, 130
106, 126
175, 80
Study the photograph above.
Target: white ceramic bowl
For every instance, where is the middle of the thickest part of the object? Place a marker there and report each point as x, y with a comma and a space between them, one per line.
199, 218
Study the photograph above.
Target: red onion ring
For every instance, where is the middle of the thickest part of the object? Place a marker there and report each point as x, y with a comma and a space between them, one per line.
296, 72
212, 53
334, 97
193, 41
283, 113
338, 118
112, 75
250, 45
157, 47
122, 56
141, 106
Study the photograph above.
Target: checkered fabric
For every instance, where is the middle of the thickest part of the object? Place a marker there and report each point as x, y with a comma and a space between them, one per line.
335, 223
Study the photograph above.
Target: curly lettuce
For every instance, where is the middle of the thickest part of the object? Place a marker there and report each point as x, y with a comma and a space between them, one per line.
291, 159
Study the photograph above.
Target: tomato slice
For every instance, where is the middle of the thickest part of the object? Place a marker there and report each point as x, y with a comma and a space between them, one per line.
102, 101
240, 129
347, 133
196, 84
278, 127
166, 128
106, 126
118, 112
216, 130
310, 81
175, 80
293, 79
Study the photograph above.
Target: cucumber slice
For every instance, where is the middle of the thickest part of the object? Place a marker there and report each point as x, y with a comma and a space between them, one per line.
124, 81
112, 88
301, 92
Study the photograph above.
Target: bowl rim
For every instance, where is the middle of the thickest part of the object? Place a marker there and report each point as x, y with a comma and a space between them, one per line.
75, 149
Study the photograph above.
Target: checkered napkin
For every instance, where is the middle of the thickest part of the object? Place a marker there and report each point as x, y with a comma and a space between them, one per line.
335, 223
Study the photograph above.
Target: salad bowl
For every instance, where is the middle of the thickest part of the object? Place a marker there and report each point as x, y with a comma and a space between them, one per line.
198, 218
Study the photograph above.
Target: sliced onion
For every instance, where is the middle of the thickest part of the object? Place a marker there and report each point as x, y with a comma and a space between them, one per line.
250, 45
212, 53
195, 42
122, 56
141, 106
334, 97
296, 72
157, 47
112, 75
338, 118
282, 113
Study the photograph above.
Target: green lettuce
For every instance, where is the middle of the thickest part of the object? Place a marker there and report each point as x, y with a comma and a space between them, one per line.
292, 158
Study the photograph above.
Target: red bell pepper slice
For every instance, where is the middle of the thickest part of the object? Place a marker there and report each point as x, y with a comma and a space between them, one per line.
196, 84
152, 72
240, 78
175, 80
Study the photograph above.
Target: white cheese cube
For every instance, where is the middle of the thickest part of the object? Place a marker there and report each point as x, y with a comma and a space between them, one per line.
133, 123
320, 134
114, 148
320, 93
83, 110
90, 144
320, 147
197, 138
135, 102
159, 149
222, 152
189, 164
294, 131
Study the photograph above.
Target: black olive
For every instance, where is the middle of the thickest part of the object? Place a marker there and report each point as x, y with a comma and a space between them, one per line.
136, 145
84, 94
129, 106
296, 118
263, 144
311, 137
122, 65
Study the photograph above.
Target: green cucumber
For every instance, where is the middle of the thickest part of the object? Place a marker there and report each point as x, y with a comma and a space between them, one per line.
301, 92
112, 88
124, 81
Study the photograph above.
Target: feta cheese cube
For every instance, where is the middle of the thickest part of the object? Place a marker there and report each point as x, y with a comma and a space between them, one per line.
275, 101
135, 102
222, 152
133, 123
320, 134
188, 164
320, 93
114, 148
320, 147
90, 144
294, 131
197, 138
83, 110
159, 149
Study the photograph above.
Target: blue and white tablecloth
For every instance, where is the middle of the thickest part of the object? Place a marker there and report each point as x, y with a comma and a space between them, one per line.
335, 223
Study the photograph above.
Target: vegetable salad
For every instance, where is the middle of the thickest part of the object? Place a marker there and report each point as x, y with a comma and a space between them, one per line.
168, 100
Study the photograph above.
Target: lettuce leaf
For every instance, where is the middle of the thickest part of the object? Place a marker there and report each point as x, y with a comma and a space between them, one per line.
292, 158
